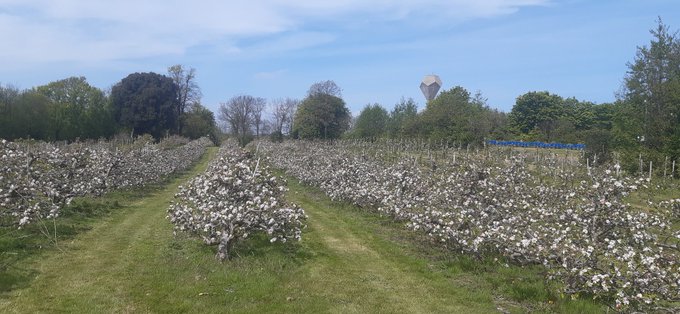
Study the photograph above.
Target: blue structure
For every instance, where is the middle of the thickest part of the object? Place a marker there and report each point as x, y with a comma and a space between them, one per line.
536, 144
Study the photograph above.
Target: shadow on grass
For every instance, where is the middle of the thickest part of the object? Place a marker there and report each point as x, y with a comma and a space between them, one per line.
256, 246
15, 278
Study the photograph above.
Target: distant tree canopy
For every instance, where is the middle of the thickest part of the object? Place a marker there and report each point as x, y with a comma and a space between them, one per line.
239, 115
453, 117
199, 121
371, 122
403, 120
283, 112
537, 110
327, 87
146, 103
67, 109
23, 114
78, 110
71, 109
322, 116
456, 117
542, 116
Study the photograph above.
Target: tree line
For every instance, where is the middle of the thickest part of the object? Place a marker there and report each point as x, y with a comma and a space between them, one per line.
141, 103
644, 121
322, 114
642, 124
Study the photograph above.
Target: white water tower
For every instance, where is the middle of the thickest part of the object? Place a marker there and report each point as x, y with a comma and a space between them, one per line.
430, 86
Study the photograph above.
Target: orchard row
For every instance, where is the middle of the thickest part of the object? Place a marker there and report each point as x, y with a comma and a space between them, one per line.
574, 222
38, 179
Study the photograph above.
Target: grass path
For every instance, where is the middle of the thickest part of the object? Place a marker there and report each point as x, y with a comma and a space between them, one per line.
368, 273
95, 271
347, 262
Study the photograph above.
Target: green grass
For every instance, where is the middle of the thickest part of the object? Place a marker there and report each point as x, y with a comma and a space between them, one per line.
123, 257
25, 253
476, 284
17, 245
659, 189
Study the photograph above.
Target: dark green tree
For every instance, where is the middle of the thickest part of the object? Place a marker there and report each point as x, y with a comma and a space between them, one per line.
9, 96
649, 114
454, 116
565, 131
603, 116
321, 115
29, 117
597, 135
577, 118
499, 125
580, 113
537, 110
146, 103
479, 119
442, 115
33, 108
199, 121
371, 122
403, 122
23, 114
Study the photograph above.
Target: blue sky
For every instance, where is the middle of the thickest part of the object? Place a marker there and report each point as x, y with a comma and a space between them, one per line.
376, 51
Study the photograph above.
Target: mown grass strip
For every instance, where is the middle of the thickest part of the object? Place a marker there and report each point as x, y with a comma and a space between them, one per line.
455, 282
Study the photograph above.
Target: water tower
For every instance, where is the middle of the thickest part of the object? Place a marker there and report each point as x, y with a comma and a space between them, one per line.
430, 86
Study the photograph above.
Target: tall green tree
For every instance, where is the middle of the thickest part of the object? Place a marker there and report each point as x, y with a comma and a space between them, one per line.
441, 118
603, 116
33, 108
371, 122
650, 108
538, 111
146, 103
321, 115
580, 113
498, 121
403, 120
480, 119
199, 121
9, 96
456, 116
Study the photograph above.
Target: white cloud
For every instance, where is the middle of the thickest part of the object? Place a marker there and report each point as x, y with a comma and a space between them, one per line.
287, 42
43, 31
